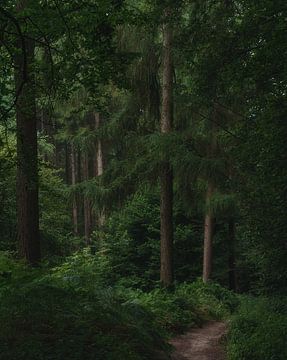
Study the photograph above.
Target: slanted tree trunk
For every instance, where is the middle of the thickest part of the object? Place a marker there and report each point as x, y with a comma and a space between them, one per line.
74, 181
166, 178
208, 236
87, 203
27, 158
231, 257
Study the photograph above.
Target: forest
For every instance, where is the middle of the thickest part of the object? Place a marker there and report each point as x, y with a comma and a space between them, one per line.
143, 179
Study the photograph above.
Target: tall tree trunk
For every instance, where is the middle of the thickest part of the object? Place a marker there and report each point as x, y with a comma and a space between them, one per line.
99, 151
79, 173
87, 203
231, 257
43, 128
27, 158
166, 179
209, 221
79, 167
67, 163
208, 236
99, 165
74, 181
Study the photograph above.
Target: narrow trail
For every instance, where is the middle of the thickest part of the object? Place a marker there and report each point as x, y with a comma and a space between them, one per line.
201, 344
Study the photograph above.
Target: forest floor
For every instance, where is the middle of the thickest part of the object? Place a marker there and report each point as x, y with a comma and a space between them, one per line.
201, 344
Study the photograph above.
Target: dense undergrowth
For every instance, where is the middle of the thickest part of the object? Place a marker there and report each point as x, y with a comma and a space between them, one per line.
258, 330
69, 312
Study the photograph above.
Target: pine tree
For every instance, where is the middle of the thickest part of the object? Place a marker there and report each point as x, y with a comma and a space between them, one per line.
166, 177
27, 160
209, 221
74, 181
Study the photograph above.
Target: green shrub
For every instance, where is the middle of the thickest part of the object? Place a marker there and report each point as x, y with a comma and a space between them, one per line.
186, 305
214, 300
68, 312
258, 331
82, 270
174, 313
65, 313
131, 239
131, 242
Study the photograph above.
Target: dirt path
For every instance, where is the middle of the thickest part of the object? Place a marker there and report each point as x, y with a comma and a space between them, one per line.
200, 344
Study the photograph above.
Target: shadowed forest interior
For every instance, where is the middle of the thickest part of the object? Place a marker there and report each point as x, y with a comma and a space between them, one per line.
143, 178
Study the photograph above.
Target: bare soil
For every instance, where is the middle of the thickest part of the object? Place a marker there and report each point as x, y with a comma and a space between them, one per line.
201, 344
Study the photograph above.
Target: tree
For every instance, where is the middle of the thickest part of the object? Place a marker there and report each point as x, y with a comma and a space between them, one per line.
166, 183
231, 256
209, 224
99, 164
87, 202
209, 221
27, 160
74, 181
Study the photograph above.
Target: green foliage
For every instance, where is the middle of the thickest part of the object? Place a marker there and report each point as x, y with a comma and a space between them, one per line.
263, 235
83, 270
11, 270
67, 312
48, 315
7, 193
217, 300
55, 220
131, 242
174, 312
258, 330
230, 85
186, 305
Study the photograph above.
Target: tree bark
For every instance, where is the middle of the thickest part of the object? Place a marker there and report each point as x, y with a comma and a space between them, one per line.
27, 156
209, 221
87, 203
79, 167
99, 166
208, 237
231, 258
166, 179
67, 163
74, 181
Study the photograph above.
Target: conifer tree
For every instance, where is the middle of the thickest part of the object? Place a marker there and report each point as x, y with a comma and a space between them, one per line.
166, 177
209, 221
99, 163
73, 182
27, 160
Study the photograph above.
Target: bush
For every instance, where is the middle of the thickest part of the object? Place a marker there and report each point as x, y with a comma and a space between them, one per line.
65, 314
258, 331
218, 301
173, 313
68, 312
186, 306
131, 242
131, 239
